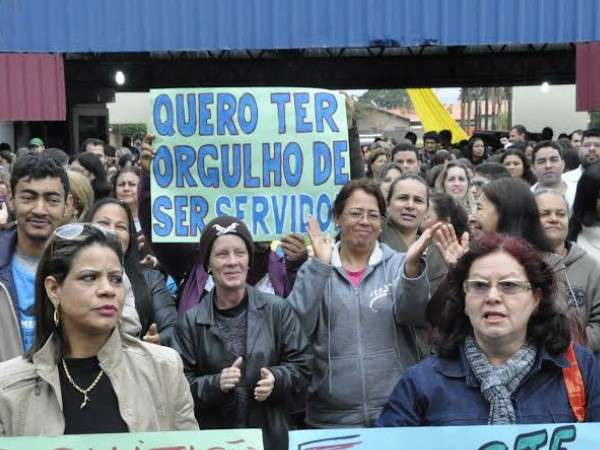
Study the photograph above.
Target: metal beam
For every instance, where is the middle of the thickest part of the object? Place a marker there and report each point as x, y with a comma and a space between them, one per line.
461, 69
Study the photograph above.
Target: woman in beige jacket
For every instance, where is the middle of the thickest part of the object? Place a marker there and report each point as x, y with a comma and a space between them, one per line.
82, 375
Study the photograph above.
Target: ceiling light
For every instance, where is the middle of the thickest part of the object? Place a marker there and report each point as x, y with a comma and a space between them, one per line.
120, 78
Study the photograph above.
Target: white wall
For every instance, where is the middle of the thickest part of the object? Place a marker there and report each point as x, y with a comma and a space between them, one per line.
556, 109
129, 107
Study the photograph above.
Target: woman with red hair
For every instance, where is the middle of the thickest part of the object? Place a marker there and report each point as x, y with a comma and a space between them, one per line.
504, 354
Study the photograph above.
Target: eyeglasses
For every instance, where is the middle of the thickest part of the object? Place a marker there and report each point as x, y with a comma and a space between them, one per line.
481, 288
356, 215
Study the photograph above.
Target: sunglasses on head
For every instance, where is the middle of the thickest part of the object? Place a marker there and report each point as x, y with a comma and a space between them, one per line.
73, 230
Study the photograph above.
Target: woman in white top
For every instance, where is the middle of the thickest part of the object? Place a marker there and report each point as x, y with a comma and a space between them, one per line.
584, 228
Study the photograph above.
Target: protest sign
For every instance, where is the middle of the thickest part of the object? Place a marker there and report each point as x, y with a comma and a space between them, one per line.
584, 436
242, 439
269, 156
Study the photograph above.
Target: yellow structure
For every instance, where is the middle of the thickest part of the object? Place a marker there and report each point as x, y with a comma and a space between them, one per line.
433, 115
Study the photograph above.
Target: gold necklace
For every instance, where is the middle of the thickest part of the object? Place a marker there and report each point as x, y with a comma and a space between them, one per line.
82, 391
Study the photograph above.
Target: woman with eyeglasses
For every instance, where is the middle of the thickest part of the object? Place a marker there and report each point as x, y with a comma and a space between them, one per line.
82, 374
358, 301
507, 206
504, 355
153, 302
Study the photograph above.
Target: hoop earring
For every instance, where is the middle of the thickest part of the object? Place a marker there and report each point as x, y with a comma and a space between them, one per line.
56, 316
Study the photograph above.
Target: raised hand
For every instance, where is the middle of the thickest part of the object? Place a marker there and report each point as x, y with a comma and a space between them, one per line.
322, 244
412, 264
450, 247
149, 261
3, 213
152, 335
265, 385
231, 376
350, 110
147, 153
293, 246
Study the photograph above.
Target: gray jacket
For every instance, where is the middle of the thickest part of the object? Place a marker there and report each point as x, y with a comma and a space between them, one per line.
152, 392
362, 338
583, 276
565, 295
11, 344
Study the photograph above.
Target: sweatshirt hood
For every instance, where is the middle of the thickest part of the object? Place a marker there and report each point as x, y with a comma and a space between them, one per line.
554, 261
574, 254
380, 253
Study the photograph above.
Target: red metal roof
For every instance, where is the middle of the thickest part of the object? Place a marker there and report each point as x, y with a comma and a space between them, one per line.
32, 87
588, 77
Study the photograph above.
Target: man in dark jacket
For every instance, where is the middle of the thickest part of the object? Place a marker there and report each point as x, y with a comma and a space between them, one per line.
39, 188
244, 352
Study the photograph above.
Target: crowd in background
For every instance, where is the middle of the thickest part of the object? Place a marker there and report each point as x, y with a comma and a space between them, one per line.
462, 287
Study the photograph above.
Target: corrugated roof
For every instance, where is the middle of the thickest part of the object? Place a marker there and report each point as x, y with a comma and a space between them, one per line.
193, 25
32, 87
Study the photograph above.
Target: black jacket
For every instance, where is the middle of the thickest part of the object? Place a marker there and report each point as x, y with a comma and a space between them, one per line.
275, 340
162, 311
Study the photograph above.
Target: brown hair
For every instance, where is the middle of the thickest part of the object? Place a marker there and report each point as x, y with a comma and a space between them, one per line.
548, 326
362, 184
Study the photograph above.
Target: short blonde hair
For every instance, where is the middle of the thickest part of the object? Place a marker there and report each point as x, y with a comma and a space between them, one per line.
82, 193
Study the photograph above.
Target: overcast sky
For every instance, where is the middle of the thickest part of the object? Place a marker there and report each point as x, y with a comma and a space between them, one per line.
446, 95
134, 107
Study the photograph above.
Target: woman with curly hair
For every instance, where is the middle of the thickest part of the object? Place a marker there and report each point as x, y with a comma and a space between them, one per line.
475, 151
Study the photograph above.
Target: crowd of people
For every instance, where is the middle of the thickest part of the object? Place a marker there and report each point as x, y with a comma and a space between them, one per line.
462, 288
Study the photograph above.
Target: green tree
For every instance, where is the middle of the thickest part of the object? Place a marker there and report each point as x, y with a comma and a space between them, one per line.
129, 129
386, 98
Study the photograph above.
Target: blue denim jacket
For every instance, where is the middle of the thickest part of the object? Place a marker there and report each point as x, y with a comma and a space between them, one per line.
441, 391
